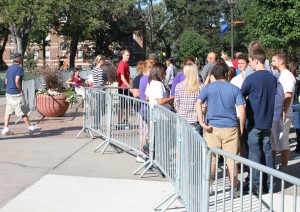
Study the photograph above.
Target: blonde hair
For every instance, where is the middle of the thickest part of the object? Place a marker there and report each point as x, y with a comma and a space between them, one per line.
191, 78
148, 63
140, 67
98, 58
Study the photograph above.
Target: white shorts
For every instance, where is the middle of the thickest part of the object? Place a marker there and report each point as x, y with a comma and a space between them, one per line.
280, 134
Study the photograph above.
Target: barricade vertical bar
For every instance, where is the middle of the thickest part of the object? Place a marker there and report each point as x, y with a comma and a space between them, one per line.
86, 113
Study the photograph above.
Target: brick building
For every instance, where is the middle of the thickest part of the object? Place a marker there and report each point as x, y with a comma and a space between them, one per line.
58, 50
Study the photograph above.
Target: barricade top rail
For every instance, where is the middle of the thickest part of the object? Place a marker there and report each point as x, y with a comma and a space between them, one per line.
165, 110
247, 162
196, 134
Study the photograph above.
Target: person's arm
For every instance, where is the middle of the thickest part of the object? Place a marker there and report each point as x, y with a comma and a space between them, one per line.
70, 81
286, 104
162, 101
124, 80
242, 113
200, 116
176, 100
135, 92
19, 84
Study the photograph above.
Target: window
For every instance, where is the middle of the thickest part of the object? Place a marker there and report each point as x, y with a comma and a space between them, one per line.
47, 55
80, 55
63, 47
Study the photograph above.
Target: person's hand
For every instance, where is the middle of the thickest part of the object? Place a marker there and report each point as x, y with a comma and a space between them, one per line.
208, 129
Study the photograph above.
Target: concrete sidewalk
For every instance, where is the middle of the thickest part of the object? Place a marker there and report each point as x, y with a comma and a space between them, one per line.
54, 171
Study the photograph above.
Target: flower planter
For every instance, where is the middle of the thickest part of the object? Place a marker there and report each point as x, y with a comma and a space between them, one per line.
51, 106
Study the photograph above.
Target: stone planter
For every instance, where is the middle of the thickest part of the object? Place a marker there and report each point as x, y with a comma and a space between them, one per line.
51, 106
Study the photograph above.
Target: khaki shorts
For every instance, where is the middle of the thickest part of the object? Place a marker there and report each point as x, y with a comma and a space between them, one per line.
226, 139
16, 104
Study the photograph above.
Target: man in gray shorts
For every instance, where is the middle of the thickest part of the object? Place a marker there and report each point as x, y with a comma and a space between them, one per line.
15, 99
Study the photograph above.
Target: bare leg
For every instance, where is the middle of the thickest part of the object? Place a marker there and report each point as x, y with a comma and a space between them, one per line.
6, 119
231, 174
285, 156
26, 120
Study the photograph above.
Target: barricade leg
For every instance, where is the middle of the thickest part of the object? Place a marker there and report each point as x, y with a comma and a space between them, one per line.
87, 131
140, 168
164, 201
28, 114
169, 201
106, 143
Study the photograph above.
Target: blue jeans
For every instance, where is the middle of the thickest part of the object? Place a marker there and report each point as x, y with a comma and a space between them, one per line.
260, 151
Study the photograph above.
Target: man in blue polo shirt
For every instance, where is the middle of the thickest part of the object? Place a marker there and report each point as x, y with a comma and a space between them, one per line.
15, 99
222, 128
260, 88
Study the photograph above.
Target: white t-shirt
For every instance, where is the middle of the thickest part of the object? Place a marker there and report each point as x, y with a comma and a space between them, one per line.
287, 80
237, 81
156, 90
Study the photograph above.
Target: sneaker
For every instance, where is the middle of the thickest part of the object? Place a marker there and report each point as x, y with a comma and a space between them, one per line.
141, 159
33, 129
7, 131
236, 193
211, 191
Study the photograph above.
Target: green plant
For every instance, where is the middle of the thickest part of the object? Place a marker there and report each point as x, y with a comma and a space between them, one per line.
53, 83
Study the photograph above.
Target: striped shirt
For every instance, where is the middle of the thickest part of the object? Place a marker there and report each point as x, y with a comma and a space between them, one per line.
185, 102
99, 76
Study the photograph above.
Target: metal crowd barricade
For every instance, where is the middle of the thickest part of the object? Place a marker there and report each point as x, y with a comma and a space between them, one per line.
180, 154
29, 92
274, 200
126, 124
96, 113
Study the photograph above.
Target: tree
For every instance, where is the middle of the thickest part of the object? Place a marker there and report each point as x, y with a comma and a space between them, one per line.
22, 15
275, 23
190, 43
4, 32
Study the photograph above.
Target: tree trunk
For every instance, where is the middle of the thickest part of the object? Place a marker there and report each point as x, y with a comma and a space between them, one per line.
44, 50
73, 50
2, 49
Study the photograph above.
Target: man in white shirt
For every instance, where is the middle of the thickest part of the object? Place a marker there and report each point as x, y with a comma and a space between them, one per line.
243, 62
287, 80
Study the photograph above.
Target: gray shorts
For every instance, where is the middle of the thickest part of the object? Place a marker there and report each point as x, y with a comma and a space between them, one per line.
16, 104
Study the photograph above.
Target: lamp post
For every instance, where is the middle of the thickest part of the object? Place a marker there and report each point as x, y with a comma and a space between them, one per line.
231, 4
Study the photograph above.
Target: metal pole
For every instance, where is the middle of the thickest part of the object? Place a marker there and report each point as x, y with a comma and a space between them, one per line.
232, 34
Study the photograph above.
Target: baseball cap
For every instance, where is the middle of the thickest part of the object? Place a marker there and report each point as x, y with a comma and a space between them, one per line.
152, 56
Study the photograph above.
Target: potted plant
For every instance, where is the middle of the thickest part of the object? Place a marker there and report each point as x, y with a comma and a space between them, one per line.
52, 100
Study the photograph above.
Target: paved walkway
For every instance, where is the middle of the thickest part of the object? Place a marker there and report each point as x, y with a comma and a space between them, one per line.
54, 171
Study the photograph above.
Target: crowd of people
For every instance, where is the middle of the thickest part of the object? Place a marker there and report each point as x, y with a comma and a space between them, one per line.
244, 106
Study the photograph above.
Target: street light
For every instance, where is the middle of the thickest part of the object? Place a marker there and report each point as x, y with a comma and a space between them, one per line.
231, 3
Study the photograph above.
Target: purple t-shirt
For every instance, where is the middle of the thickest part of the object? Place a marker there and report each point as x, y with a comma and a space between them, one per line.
142, 87
179, 78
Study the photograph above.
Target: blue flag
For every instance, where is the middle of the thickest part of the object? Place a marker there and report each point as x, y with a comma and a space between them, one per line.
224, 29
